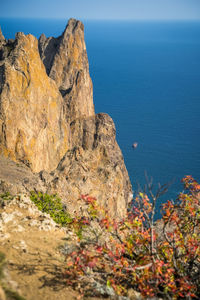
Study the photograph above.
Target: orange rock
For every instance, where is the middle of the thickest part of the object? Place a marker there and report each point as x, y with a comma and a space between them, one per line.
32, 123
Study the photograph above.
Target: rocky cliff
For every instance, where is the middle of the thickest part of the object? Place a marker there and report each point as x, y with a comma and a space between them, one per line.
47, 120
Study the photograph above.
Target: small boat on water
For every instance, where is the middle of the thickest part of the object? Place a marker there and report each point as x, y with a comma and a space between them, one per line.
135, 145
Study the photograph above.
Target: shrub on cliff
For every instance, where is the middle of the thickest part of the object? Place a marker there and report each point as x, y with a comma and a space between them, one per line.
157, 259
52, 205
5, 197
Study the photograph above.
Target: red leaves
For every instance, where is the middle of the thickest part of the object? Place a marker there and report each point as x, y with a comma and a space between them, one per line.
91, 264
99, 249
88, 199
129, 253
104, 222
191, 184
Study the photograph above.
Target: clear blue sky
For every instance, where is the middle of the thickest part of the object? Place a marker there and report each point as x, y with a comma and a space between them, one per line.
103, 9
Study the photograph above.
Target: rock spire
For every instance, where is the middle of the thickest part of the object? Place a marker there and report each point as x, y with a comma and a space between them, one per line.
66, 62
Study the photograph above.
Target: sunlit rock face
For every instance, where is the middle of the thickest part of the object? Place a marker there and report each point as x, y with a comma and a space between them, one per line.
47, 120
2, 39
32, 123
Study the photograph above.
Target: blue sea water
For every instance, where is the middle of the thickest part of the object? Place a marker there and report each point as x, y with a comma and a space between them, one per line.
146, 76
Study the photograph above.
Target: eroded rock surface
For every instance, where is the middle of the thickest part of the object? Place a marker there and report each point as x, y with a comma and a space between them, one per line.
94, 166
18, 178
32, 124
2, 39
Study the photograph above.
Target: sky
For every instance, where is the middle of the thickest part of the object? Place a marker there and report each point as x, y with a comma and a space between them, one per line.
102, 9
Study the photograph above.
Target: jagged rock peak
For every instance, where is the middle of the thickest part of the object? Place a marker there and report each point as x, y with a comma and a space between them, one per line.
73, 25
66, 62
1, 36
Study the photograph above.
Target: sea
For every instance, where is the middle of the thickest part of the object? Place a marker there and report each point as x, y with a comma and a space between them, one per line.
146, 76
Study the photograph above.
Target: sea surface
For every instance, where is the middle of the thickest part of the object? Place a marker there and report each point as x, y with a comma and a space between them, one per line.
146, 76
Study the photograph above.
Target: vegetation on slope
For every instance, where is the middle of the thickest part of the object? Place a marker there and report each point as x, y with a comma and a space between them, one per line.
154, 258
160, 259
52, 205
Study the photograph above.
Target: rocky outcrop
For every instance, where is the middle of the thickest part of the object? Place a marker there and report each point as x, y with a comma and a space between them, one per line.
32, 124
47, 122
18, 178
94, 166
65, 59
2, 39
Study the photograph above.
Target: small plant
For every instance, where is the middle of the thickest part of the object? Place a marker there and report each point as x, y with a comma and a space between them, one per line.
52, 205
5, 197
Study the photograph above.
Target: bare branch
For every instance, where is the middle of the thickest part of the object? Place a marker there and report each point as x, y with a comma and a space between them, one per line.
144, 267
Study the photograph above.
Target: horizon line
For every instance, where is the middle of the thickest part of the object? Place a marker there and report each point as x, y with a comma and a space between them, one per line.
106, 19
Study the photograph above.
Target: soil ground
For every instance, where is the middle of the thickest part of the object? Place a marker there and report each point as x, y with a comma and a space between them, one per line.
35, 265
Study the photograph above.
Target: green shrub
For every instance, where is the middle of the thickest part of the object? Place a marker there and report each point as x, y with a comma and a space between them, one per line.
5, 197
52, 205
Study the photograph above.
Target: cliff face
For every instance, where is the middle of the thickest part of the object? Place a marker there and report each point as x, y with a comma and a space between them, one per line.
94, 166
47, 119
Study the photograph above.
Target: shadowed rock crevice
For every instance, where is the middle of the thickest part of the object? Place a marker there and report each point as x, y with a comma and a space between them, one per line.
47, 49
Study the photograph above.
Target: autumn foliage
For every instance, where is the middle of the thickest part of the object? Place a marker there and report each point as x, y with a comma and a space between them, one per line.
155, 258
